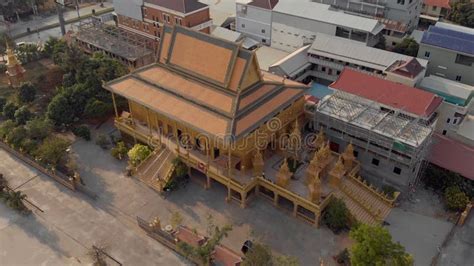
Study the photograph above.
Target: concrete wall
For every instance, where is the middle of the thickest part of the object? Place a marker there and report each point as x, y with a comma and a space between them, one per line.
408, 13
442, 62
129, 8
255, 22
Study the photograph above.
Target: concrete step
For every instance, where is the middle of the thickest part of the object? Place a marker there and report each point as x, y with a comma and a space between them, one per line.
356, 209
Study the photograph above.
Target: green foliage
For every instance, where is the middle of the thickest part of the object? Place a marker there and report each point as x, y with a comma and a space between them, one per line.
14, 200
138, 153
261, 255
389, 190
181, 169
119, 151
9, 110
52, 150
462, 12
408, 47
54, 46
82, 131
38, 129
102, 141
3, 101
16, 136
6, 127
69, 80
176, 219
374, 246
28, 52
203, 253
336, 215
29, 145
97, 109
440, 179
22, 115
456, 200
26, 93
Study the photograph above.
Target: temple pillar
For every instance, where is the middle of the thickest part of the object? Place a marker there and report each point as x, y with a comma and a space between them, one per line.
229, 194
295, 209
258, 163
275, 199
336, 173
243, 200
115, 105
348, 157
283, 176
208, 182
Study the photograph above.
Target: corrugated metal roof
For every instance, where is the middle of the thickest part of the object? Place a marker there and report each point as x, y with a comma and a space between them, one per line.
293, 62
226, 34
447, 89
321, 12
355, 52
451, 37
452, 155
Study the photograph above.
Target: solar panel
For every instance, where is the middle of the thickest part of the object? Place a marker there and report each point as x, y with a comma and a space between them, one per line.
449, 39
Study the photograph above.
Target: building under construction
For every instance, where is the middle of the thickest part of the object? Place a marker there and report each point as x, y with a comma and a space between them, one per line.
389, 124
130, 48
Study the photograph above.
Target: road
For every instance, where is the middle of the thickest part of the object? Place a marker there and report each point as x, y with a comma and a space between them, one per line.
68, 226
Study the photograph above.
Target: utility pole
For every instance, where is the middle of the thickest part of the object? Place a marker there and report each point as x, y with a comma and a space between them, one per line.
62, 24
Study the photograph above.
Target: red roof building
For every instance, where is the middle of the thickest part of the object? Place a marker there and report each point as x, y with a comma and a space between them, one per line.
452, 155
389, 93
437, 3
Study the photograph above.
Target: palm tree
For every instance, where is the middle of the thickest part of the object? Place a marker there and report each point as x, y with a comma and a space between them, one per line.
14, 200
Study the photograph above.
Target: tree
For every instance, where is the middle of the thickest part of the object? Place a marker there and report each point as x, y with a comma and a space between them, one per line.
28, 52
98, 255
262, 255
203, 253
38, 128
14, 200
9, 110
374, 246
408, 47
181, 169
462, 12
59, 110
82, 131
138, 153
26, 93
456, 200
102, 141
3, 101
96, 109
119, 151
16, 136
22, 115
6, 127
336, 215
54, 46
52, 150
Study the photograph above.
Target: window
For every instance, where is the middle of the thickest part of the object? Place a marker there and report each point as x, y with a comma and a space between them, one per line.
323, 69
464, 60
458, 78
263, 30
401, 2
166, 18
144, 12
356, 153
427, 54
397, 170
243, 25
444, 132
375, 162
455, 121
178, 21
434, 8
447, 121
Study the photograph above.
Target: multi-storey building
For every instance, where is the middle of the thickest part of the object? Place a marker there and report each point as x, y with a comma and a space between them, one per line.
146, 17
327, 56
296, 25
254, 19
406, 12
389, 124
435, 8
450, 51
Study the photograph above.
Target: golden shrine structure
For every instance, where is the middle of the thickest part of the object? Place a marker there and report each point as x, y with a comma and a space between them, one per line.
207, 102
14, 69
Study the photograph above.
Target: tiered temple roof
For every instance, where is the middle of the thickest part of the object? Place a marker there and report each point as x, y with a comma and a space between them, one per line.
209, 84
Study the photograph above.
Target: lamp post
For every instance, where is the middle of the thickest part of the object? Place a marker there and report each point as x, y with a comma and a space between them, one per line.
59, 6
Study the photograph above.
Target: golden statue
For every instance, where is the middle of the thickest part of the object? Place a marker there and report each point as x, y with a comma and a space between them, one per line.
315, 190
319, 140
336, 173
349, 157
283, 175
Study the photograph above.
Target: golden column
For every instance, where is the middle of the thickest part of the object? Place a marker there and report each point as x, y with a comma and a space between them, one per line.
348, 157
14, 69
336, 173
258, 163
283, 175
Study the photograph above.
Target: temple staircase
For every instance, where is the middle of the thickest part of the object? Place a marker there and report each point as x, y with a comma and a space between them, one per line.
364, 204
157, 169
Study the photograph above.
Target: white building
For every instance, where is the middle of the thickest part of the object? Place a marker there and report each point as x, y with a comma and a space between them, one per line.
254, 19
295, 24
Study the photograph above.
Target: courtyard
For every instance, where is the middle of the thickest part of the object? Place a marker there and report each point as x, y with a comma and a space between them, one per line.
70, 222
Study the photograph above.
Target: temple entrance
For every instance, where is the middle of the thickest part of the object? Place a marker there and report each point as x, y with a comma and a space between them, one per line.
334, 146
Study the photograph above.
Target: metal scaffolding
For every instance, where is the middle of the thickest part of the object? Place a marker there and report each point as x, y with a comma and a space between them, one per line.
114, 40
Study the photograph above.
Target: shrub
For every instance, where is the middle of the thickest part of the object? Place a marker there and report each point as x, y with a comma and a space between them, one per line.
102, 141
52, 150
3, 101
83, 132
28, 145
181, 169
16, 136
96, 109
22, 115
389, 190
138, 153
336, 215
119, 151
6, 127
456, 200
9, 110
39, 129
26, 93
